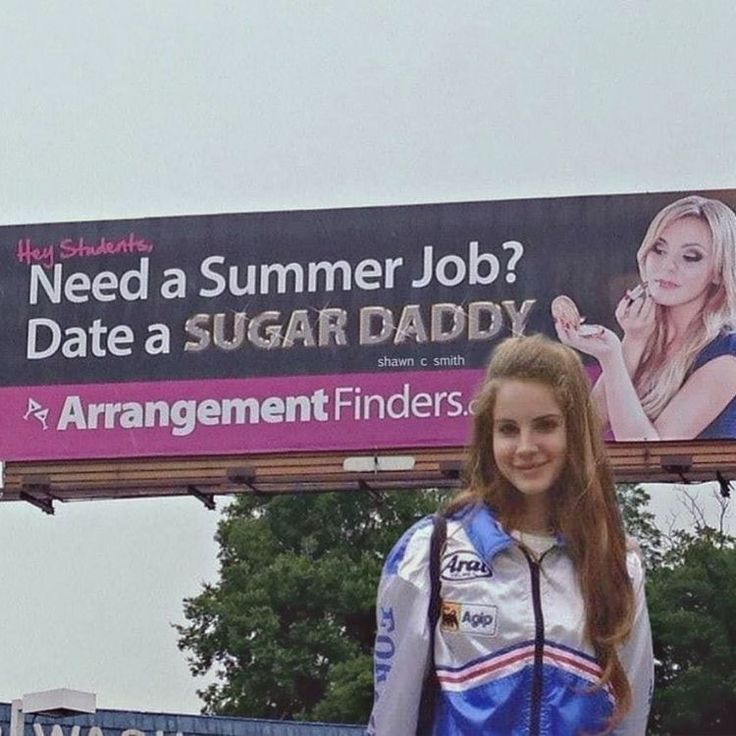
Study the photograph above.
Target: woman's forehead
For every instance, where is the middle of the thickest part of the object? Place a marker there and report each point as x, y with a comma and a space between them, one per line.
687, 230
517, 398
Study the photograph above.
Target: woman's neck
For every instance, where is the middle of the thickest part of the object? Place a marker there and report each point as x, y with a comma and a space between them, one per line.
535, 517
678, 319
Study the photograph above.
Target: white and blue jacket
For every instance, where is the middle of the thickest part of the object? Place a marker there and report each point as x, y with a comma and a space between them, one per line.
510, 653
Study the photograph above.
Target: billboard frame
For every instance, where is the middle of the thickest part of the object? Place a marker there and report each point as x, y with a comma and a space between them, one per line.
205, 477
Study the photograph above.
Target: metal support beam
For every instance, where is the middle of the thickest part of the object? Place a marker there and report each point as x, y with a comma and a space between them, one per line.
725, 486
452, 469
677, 465
45, 504
374, 493
33, 484
205, 498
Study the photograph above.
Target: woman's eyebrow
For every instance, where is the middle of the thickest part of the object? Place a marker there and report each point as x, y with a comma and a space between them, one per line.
696, 244
554, 415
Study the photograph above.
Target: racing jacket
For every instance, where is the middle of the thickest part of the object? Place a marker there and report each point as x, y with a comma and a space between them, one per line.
510, 654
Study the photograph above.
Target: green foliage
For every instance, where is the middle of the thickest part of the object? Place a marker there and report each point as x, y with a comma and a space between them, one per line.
691, 595
289, 626
639, 522
692, 606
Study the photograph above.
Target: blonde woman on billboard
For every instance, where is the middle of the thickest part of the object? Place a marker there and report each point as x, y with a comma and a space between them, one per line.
673, 375
524, 612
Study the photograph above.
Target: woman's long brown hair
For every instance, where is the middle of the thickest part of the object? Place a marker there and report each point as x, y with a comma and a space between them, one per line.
584, 506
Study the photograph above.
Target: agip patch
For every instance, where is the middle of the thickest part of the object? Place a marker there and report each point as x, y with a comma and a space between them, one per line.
469, 619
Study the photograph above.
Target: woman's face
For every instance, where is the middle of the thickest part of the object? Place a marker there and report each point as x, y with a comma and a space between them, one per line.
529, 436
679, 265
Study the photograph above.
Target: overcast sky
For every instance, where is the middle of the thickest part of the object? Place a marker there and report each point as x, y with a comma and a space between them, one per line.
129, 109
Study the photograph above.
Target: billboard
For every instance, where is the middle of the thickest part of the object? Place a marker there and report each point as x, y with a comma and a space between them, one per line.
362, 328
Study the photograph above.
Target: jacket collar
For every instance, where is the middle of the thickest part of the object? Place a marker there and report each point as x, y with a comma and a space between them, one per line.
486, 533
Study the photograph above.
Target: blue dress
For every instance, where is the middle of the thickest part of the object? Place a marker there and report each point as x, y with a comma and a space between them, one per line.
724, 425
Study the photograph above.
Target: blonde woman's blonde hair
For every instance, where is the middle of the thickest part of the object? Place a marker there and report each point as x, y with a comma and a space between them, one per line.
657, 380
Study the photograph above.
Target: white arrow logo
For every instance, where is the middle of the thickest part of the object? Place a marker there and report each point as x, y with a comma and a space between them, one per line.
34, 409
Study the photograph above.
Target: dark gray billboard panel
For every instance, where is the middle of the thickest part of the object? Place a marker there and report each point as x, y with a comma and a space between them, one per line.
359, 328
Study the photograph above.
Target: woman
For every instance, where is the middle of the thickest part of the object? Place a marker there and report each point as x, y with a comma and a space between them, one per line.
673, 376
543, 626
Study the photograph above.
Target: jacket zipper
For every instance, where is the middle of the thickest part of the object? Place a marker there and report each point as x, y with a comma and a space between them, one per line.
536, 695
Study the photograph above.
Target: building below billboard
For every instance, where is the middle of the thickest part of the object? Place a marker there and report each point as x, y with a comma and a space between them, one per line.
135, 723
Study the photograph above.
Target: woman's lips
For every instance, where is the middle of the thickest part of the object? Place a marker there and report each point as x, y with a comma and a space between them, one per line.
664, 284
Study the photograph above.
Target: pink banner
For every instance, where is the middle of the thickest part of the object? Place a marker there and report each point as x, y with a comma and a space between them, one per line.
360, 411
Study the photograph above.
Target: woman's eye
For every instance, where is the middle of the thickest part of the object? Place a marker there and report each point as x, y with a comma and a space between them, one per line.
506, 429
692, 257
658, 249
549, 425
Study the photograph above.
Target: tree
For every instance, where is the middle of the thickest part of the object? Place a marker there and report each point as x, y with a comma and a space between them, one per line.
692, 605
289, 626
640, 523
691, 595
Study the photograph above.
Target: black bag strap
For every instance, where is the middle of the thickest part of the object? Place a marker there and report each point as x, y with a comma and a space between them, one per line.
431, 684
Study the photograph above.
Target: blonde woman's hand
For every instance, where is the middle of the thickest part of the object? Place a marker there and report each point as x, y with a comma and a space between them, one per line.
602, 344
636, 316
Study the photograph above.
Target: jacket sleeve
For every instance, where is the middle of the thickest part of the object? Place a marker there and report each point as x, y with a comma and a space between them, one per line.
401, 653
637, 657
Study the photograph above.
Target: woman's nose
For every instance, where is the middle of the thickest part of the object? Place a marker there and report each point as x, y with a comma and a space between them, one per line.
527, 442
670, 264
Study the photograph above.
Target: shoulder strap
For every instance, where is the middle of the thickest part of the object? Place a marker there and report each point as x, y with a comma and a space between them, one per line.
439, 536
431, 685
